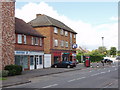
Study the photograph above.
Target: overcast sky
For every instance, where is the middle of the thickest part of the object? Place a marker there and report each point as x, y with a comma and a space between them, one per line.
91, 20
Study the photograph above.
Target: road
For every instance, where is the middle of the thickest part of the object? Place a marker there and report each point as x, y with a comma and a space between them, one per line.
86, 78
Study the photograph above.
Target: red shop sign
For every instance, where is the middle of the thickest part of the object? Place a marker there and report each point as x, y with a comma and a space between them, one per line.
57, 54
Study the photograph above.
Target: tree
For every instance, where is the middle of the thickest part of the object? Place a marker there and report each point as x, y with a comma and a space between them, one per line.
102, 50
118, 53
113, 51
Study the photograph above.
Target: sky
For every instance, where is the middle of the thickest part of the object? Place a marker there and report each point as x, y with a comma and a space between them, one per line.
91, 20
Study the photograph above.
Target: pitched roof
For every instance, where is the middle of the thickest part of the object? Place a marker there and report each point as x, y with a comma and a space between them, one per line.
44, 20
21, 27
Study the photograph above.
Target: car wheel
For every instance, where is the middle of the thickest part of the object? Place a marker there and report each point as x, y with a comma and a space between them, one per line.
55, 66
68, 66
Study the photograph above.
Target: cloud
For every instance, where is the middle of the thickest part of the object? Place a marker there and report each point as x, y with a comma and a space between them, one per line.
114, 18
89, 36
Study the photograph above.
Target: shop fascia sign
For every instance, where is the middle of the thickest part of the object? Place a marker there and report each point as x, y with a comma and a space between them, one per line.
74, 46
28, 53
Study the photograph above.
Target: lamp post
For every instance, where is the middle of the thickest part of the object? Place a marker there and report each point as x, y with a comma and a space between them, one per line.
102, 41
102, 44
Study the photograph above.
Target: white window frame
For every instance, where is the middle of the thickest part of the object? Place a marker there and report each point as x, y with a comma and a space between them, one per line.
66, 44
74, 35
25, 39
55, 42
40, 41
32, 41
62, 43
55, 30
66, 33
62, 32
35, 40
19, 38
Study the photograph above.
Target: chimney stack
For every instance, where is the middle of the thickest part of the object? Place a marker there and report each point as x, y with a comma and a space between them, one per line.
37, 15
7, 32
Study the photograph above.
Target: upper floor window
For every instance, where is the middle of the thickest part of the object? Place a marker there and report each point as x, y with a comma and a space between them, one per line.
34, 40
66, 44
40, 41
55, 30
74, 35
62, 32
19, 38
25, 41
55, 42
62, 43
66, 33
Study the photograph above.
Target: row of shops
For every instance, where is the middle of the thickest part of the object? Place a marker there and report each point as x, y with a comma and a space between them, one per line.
31, 60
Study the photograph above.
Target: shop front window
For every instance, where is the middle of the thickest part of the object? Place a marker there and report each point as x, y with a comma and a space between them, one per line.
40, 59
56, 59
31, 60
21, 60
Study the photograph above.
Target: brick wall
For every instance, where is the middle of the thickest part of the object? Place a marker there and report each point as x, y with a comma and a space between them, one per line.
29, 46
50, 36
7, 30
46, 31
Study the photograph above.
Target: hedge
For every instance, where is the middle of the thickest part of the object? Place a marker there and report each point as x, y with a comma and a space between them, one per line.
14, 70
93, 58
4, 73
96, 58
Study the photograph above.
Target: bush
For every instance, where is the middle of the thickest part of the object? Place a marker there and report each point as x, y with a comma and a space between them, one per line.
78, 57
96, 58
4, 73
14, 69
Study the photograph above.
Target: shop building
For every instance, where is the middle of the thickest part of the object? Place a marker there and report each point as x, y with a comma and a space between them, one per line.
60, 40
29, 46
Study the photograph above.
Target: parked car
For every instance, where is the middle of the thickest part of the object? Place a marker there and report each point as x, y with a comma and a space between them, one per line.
118, 58
64, 64
107, 60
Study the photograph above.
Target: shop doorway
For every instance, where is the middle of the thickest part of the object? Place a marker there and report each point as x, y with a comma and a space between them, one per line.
36, 62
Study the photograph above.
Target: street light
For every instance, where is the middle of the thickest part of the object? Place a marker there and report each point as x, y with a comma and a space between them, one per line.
102, 44
103, 41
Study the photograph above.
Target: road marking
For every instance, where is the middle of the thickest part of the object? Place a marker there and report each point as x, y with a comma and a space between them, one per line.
115, 68
76, 79
103, 72
50, 86
108, 85
72, 80
108, 70
80, 78
95, 74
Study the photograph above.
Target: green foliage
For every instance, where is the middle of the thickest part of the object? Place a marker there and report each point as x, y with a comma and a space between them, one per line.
4, 73
118, 53
14, 69
96, 58
102, 50
78, 57
113, 51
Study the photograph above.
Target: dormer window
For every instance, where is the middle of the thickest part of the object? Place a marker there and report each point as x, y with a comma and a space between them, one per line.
55, 30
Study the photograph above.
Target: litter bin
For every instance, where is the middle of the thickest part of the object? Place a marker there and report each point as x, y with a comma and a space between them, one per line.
87, 62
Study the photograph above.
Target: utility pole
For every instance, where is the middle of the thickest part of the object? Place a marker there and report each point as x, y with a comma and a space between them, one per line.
102, 41
102, 44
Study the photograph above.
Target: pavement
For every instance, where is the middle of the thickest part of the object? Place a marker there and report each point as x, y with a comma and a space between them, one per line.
27, 75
